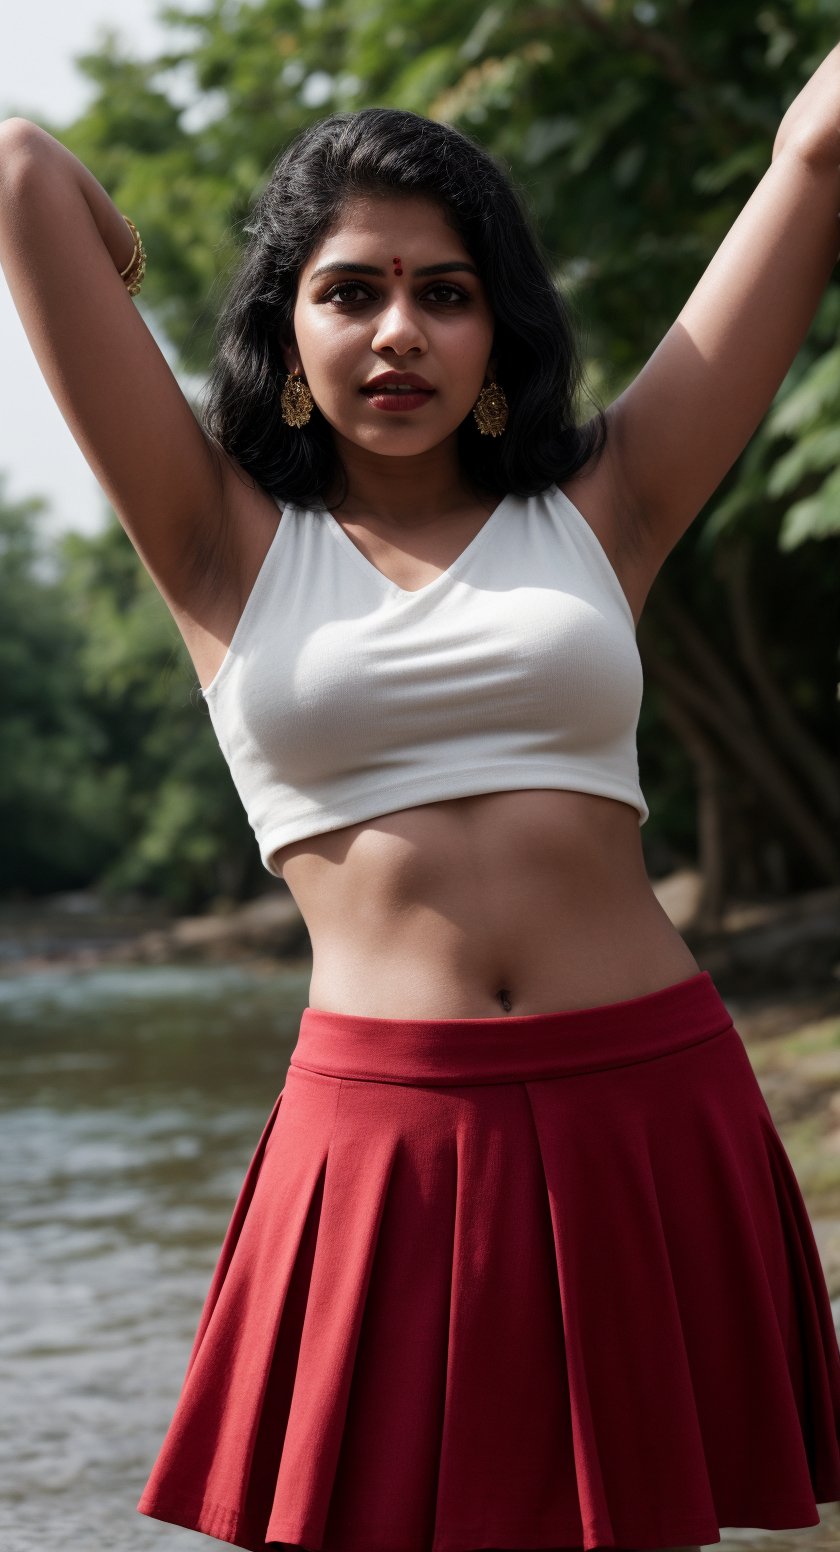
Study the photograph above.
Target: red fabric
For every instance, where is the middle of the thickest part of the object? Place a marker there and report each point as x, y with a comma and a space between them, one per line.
518, 1282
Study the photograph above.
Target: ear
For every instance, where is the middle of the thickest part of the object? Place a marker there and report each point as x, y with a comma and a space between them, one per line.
291, 358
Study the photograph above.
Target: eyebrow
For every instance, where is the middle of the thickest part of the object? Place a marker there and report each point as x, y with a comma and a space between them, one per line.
370, 269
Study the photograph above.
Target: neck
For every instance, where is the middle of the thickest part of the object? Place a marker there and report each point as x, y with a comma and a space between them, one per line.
409, 491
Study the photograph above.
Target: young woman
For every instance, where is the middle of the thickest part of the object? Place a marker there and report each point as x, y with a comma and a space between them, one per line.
520, 1260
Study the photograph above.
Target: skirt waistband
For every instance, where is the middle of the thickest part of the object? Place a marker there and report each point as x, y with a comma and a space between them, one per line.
511, 1047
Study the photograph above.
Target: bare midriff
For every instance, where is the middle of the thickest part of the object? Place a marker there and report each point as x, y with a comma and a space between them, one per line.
505, 903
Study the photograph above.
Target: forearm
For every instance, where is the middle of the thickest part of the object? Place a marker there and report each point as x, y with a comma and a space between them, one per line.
20, 138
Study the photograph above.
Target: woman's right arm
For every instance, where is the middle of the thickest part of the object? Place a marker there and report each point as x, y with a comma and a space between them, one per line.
62, 244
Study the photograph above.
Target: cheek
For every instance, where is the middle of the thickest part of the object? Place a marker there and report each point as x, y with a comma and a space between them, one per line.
331, 346
467, 342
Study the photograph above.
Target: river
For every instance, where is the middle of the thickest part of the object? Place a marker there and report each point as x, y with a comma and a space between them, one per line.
132, 1101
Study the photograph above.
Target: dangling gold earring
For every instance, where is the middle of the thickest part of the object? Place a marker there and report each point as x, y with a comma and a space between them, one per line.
491, 409
296, 401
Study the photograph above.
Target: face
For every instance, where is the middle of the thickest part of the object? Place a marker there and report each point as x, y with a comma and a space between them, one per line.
349, 328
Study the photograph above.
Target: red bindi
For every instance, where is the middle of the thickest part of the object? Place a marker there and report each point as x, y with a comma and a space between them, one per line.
397, 268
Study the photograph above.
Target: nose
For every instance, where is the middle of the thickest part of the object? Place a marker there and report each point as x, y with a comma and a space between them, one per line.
400, 328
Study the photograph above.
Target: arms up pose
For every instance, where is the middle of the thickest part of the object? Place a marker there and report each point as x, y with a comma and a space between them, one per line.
549, 833
676, 429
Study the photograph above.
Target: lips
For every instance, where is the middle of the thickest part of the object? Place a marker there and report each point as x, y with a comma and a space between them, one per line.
397, 393
398, 380
387, 399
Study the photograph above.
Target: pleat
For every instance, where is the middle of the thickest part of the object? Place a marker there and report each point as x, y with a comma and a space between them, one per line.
505, 1475
360, 1459
636, 1434
356, 1185
233, 1232
809, 1330
218, 1464
674, 1281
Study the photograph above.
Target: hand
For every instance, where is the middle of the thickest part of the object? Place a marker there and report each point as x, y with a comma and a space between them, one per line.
811, 126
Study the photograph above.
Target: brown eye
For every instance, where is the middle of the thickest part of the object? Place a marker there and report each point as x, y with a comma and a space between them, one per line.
458, 294
333, 295
346, 285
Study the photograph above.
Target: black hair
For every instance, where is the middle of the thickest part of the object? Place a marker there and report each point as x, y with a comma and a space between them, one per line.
387, 151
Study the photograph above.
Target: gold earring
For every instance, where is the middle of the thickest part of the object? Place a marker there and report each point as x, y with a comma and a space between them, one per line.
296, 401
491, 409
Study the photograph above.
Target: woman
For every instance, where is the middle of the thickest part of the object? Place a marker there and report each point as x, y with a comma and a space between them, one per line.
519, 1260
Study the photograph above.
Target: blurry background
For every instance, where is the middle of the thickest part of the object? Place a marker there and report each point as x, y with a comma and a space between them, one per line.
151, 971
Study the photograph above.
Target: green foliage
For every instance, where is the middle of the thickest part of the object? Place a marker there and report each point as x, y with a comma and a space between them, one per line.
111, 771
54, 821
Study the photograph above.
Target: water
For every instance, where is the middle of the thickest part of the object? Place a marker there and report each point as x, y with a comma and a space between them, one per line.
133, 1099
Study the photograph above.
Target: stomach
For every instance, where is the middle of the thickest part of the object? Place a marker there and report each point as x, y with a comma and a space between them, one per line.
505, 903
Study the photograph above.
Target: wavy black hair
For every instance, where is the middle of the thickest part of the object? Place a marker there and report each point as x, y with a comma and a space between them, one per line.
387, 151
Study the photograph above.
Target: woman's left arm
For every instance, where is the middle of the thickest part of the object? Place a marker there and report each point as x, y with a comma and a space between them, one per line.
679, 426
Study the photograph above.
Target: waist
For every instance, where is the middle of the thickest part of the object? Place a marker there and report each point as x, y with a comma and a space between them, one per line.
512, 1048
516, 902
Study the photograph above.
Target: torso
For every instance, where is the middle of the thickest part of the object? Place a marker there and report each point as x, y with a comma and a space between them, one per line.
503, 903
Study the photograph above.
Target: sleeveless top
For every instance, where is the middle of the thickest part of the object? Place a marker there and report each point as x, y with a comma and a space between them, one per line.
343, 696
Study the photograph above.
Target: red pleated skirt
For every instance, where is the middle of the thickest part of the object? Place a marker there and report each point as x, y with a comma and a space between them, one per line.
540, 1281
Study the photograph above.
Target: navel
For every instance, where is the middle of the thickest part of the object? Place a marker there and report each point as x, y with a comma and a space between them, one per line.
504, 998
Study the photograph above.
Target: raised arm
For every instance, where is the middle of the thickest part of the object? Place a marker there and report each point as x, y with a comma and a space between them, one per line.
680, 425
62, 244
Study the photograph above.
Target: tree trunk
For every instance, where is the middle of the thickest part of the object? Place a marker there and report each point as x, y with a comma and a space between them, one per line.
711, 825
713, 704
802, 751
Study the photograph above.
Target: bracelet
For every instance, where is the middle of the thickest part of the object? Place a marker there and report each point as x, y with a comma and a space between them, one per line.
135, 269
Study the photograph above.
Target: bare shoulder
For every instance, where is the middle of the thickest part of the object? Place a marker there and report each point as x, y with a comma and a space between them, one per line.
225, 567
602, 498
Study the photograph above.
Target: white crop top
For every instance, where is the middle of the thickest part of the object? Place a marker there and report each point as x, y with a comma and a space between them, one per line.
343, 696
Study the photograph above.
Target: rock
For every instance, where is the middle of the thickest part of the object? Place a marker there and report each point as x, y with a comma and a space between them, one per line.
679, 896
269, 925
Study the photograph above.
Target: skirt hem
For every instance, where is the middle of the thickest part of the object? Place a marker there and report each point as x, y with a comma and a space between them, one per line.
227, 1524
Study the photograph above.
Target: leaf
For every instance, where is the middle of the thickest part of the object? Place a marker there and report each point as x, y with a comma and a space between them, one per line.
816, 517
813, 453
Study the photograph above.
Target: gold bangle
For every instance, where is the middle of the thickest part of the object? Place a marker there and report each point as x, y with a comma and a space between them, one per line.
134, 271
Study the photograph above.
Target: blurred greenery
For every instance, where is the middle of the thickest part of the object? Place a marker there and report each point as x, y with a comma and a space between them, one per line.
110, 773
637, 133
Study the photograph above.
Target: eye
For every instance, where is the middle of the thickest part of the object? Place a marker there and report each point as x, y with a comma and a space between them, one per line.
356, 286
346, 285
459, 295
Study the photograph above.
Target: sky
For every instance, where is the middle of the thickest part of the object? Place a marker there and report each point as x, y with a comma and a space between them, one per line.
38, 456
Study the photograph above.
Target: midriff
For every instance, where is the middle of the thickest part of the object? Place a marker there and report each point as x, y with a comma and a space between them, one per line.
504, 903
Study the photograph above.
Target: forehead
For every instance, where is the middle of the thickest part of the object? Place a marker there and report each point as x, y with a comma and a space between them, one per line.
375, 225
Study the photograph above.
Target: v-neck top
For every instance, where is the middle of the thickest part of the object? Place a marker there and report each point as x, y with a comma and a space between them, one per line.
343, 696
